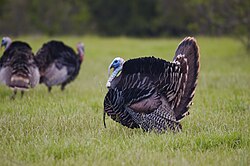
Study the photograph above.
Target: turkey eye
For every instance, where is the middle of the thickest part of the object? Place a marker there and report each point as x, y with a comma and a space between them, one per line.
115, 61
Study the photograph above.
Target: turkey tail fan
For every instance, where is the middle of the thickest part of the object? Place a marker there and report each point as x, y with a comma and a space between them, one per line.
19, 82
187, 56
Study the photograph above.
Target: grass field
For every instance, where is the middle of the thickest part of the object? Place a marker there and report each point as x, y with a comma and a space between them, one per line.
66, 128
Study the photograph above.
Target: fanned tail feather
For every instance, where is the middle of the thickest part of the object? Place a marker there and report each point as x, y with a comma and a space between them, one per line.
187, 56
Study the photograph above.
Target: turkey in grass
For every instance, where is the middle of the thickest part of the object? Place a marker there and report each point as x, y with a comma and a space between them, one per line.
18, 69
58, 63
151, 93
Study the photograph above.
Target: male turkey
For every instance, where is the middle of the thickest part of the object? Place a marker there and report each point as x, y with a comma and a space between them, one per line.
58, 63
151, 93
18, 69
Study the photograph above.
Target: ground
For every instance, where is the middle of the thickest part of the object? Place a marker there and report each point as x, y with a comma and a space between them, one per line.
66, 128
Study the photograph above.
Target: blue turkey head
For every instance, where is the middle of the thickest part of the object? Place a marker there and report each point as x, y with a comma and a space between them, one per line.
116, 64
5, 42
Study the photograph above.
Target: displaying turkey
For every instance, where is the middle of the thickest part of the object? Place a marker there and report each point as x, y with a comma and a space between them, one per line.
58, 63
18, 69
151, 93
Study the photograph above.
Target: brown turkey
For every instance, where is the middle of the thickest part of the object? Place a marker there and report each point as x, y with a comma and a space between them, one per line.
18, 69
58, 63
151, 93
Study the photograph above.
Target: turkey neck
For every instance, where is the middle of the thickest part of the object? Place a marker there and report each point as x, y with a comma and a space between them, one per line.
113, 80
81, 55
8, 44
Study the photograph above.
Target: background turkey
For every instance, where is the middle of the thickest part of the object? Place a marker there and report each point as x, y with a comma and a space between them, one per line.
152, 93
18, 69
58, 63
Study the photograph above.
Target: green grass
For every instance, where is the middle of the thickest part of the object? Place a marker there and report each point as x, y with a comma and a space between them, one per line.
66, 128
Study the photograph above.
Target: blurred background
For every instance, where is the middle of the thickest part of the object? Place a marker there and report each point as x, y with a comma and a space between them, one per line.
137, 18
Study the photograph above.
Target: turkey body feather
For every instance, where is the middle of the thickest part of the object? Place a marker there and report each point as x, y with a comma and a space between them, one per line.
13, 49
58, 64
18, 69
